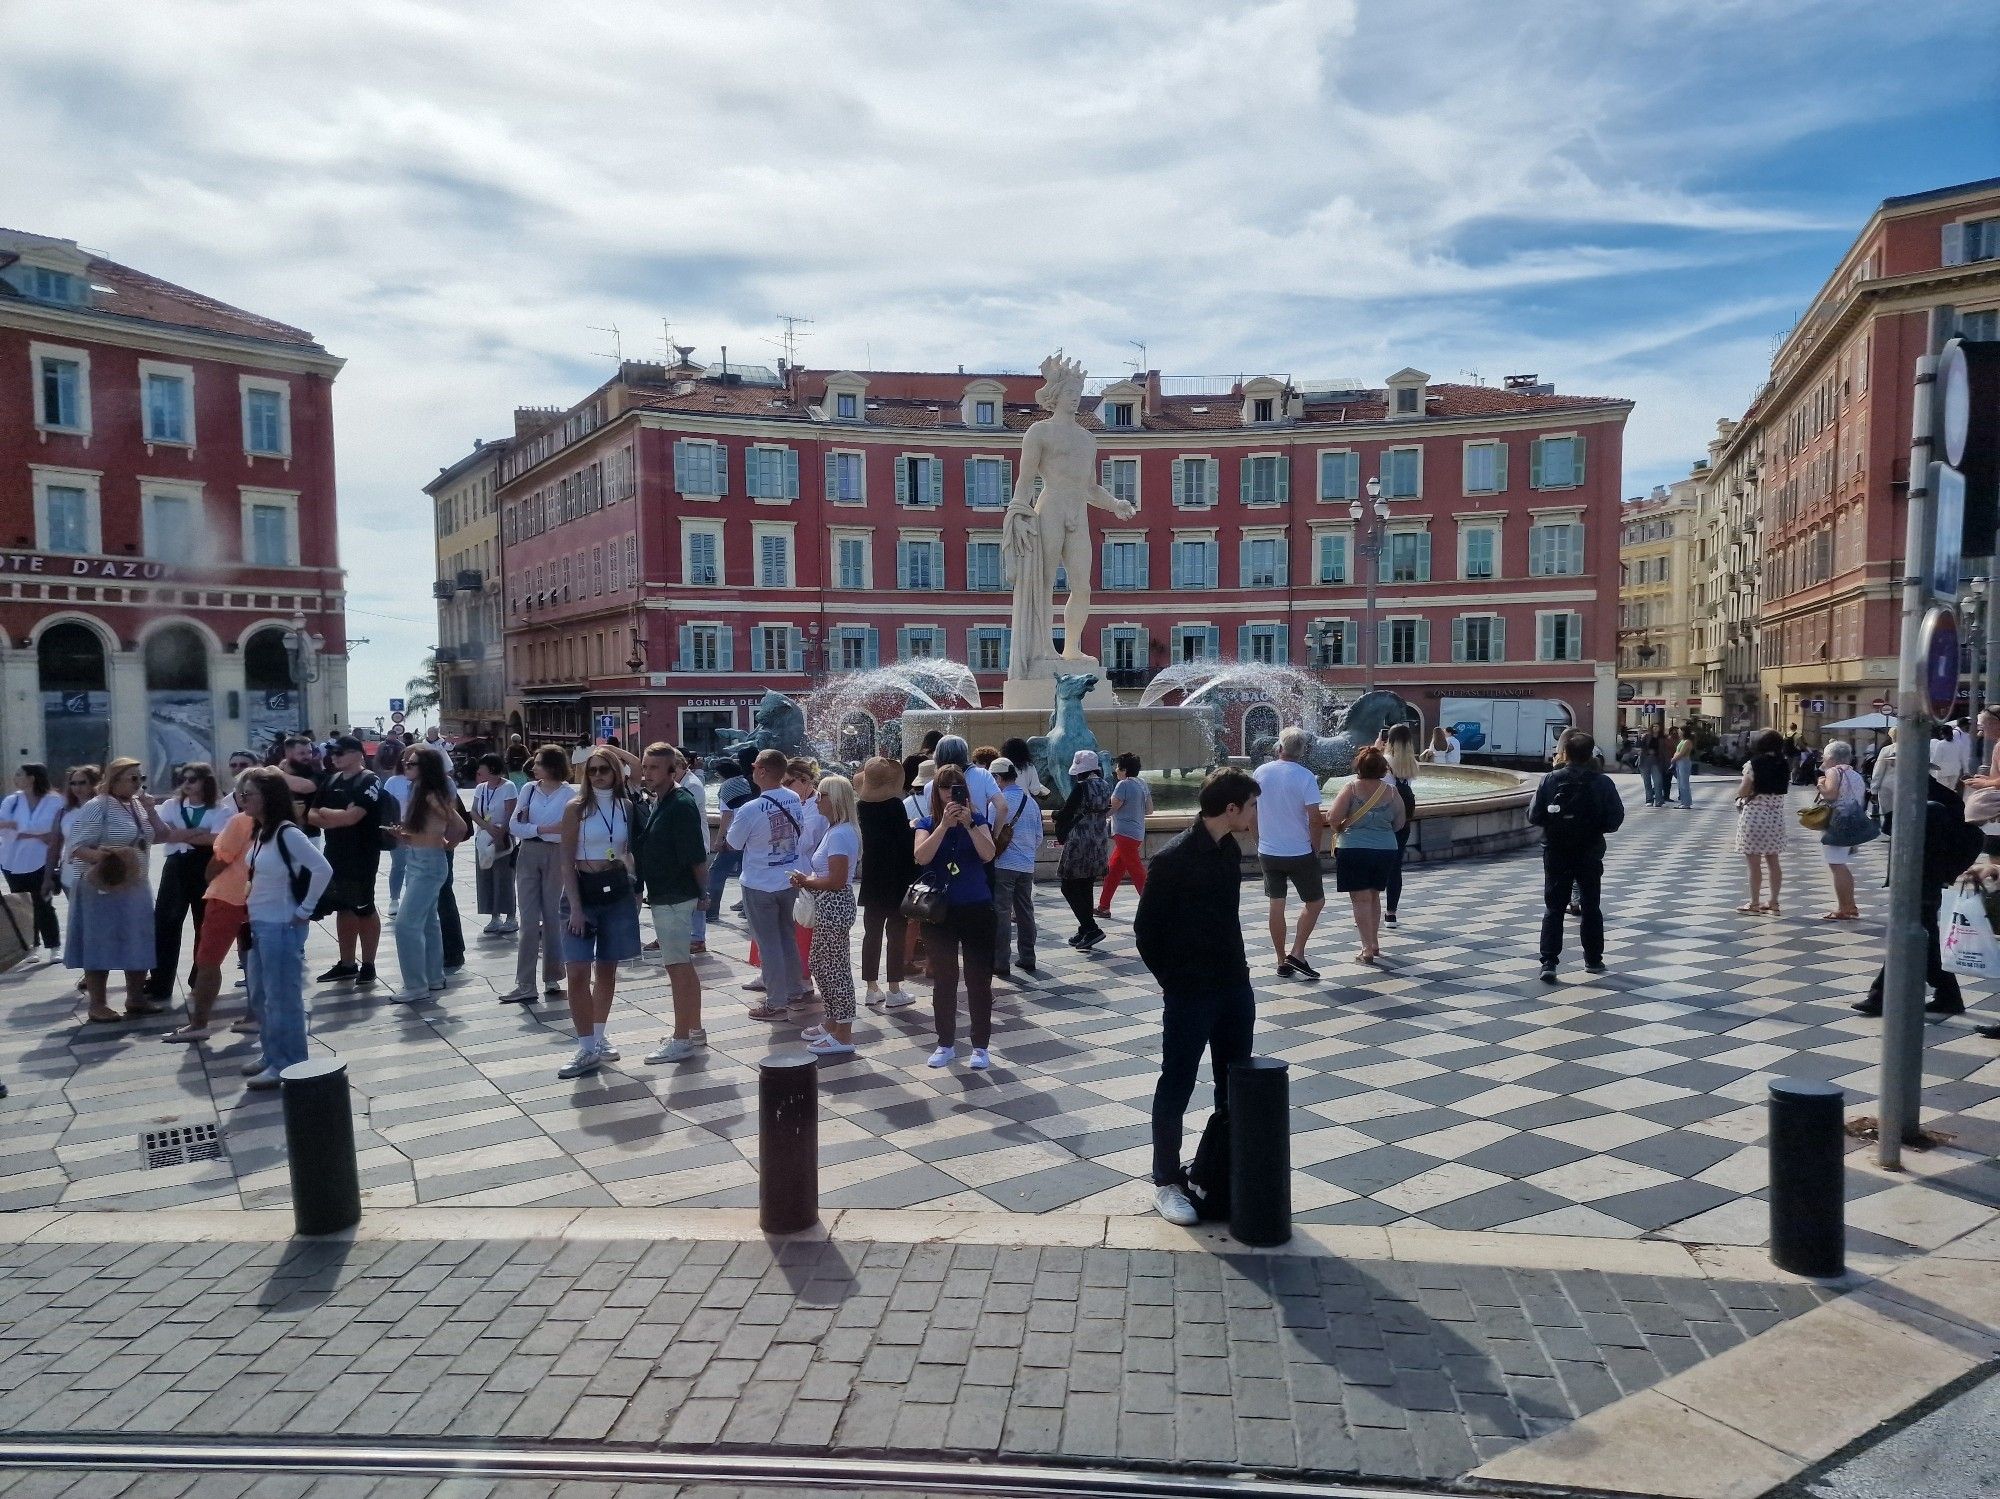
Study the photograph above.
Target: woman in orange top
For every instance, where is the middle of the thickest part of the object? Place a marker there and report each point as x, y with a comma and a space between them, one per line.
224, 908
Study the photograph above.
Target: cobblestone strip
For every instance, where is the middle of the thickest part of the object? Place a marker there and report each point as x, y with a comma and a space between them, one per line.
1282, 1363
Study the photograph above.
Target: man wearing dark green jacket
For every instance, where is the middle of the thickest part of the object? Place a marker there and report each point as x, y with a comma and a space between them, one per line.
670, 853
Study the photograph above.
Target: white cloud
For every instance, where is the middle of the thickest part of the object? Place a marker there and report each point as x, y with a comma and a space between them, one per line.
451, 195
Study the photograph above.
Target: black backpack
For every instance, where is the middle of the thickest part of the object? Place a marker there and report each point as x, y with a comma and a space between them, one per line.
1571, 818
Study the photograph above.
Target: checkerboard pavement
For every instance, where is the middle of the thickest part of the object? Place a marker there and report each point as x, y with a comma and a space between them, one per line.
1448, 1087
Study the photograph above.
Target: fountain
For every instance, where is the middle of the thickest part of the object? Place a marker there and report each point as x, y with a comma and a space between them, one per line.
858, 714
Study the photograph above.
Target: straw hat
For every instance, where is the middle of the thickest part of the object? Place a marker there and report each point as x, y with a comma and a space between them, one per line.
879, 780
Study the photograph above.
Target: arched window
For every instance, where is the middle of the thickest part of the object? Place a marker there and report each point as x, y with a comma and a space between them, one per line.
180, 714
76, 707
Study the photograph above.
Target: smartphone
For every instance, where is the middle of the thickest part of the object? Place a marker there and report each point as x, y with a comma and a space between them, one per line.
958, 795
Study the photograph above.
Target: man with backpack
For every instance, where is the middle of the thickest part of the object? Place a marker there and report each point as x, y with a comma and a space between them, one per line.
1191, 938
1575, 806
1950, 845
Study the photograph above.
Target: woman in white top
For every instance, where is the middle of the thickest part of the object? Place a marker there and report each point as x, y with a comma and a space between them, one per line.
492, 809
288, 874
537, 826
1444, 747
184, 826
79, 787
30, 815
600, 902
111, 908
836, 868
1841, 787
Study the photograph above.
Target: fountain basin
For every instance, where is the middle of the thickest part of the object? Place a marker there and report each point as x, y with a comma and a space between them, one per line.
1164, 738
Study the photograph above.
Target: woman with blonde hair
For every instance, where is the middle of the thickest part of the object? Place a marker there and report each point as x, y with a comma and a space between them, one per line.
111, 906
836, 868
1399, 748
600, 903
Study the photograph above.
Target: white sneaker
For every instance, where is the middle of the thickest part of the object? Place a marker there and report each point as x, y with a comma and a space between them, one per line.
680, 1048
606, 1052
896, 999
1172, 1204
756, 985
265, 1077
873, 999
940, 1058
829, 1046
587, 1060
252, 1068
980, 1060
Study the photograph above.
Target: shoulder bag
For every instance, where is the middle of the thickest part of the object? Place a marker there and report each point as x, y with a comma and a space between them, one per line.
925, 899
1006, 835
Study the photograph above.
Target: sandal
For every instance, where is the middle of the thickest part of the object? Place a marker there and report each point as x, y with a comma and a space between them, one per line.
187, 1033
104, 1017
137, 1007
827, 1046
1749, 908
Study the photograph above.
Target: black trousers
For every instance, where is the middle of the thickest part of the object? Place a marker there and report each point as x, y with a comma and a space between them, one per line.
34, 885
1081, 895
1583, 874
1943, 982
183, 890
965, 935
448, 923
1218, 1022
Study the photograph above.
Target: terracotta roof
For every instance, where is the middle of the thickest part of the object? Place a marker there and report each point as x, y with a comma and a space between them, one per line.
134, 295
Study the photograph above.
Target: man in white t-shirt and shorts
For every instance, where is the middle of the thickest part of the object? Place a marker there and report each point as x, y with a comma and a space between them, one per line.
1289, 826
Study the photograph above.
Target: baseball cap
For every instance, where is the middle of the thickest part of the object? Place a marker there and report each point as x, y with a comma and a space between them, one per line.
347, 744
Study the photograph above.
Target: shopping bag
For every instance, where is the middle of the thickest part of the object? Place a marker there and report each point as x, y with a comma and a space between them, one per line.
1965, 935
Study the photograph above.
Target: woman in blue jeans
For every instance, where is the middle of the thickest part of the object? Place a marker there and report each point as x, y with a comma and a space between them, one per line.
433, 826
287, 877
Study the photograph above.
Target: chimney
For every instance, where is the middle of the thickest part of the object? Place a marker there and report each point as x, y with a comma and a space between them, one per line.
1153, 397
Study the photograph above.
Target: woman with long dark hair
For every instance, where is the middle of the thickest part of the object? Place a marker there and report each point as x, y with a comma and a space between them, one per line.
600, 903
432, 826
287, 876
111, 909
184, 826
954, 844
32, 812
537, 828
887, 867
1760, 820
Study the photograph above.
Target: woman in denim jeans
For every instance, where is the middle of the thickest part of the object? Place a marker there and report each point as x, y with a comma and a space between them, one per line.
278, 906
433, 827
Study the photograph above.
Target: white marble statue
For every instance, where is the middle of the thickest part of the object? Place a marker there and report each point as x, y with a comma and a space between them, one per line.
1052, 529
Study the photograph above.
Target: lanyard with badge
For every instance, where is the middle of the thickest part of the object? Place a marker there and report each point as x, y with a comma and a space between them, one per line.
610, 832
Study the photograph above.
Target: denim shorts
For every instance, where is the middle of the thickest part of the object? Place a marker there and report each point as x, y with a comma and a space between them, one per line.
610, 933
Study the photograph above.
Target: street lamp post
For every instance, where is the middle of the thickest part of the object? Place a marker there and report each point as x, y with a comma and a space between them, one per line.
302, 650
1973, 606
1368, 550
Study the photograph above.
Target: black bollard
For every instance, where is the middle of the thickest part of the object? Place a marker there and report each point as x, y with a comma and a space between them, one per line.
319, 1146
1260, 1151
1808, 1180
787, 1142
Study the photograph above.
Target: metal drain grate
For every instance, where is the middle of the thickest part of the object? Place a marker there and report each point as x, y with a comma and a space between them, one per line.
180, 1145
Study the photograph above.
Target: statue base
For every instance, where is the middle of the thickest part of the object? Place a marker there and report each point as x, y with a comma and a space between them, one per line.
1036, 689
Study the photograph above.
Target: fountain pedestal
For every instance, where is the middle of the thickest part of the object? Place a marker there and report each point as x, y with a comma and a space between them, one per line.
1036, 691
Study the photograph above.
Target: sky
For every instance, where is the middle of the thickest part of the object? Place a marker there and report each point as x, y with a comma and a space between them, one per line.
1633, 200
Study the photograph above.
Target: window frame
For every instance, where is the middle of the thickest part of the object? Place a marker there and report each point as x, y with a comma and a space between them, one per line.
151, 490
1542, 634
996, 540
1106, 472
1344, 535
287, 500
931, 539
865, 539
1352, 490
1491, 445
783, 531
39, 352
691, 528
1258, 463
860, 457
245, 385
1137, 539
45, 477
149, 370
754, 465
1490, 525
1387, 470
1539, 463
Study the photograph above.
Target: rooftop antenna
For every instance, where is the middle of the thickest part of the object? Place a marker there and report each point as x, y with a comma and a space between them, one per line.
667, 338
1135, 343
1474, 376
617, 354
788, 342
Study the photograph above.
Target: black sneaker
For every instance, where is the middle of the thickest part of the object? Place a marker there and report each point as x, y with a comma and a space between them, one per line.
1302, 968
1077, 940
1866, 1007
1596, 967
1388, 918
1025, 965
1992, 1031
1003, 973
1090, 940
364, 976
338, 972
1548, 973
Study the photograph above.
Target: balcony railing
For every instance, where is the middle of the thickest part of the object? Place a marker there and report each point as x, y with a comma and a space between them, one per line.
1128, 677
470, 580
443, 588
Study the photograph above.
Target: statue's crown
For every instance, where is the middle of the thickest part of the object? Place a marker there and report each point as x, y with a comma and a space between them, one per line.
1057, 368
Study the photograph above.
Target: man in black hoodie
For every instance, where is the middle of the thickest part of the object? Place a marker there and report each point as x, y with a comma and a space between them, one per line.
1950, 846
1574, 807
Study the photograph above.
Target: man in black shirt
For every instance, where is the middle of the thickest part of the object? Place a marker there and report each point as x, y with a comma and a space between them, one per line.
1574, 807
349, 810
1950, 846
1190, 936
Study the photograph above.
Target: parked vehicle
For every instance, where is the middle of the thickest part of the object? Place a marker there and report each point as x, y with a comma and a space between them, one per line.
1506, 728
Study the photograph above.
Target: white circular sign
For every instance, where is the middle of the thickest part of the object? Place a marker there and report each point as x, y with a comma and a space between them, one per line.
1955, 394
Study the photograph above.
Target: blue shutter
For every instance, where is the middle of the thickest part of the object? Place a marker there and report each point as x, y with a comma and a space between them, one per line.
1180, 481
937, 551
721, 469
687, 647
971, 472
1281, 645
1145, 578
1499, 467
935, 468
902, 479
873, 655
756, 648
1382, 557
1575, 636
1424, 556
725, 650
796, 649
1284, 569
903, 643
1104, 645
1243, 555
1576, 466
680, 465
1104, 473
902, 564
1951, 245
1458, 638
1383, 630
1423, 640
1174, 552
1535, 464
1212, 552
1246, 488
1498, 637
1006, 480
1243, 643
789, 457
832, 476
1284, 467
1214, 642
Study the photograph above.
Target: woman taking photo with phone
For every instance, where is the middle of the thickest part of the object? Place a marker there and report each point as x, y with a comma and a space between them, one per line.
953, 846
600, 903
111, 908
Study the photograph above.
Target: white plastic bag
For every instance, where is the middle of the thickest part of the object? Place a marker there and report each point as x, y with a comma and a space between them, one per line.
1965, 936
483, 849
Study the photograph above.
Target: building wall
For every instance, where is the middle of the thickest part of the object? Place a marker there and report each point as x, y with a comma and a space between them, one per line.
120, 588
1656, 597
472, 677
566, 653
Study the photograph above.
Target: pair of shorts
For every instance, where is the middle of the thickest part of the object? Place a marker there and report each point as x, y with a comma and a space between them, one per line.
673, 925
610, 932
221, 922
1836, 855
1300, 871
1364, 868
351, 891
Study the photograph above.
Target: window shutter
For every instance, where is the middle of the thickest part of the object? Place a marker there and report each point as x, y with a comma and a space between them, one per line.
726, 647
1544, 632
1284, 467
1142, 649
1104, 568
1498, 636
832, 476
903, 643
1424, 556
1006, 481
1382, 560
1384, 631
1212, 556
680, 465
1104, 472
1284, 570
1499, 467
1246, 481
1576, 472
1535, 464
687, 647
1104, 645
873, 656
937, 562
1213, 649
1458, 638
1242, 642
1214, 472
1953, 246
1576, 637
756, 647
902, 564
1145, 578
935, 467
1174, 566
902, 480
1281, 646
1180, 481
1423, 640
971, 473
721, 469
1468, 479
790, 459
1243, 548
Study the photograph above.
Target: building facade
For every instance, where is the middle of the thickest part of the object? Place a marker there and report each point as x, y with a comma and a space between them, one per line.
1659, 682
686, 538
171, 585
472, 678
1728, 573
1823, 452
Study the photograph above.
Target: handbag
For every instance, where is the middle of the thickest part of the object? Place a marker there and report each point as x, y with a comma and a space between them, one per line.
483, 851
602, 887
1817, 816
1983, 805
925, 899
1967, 946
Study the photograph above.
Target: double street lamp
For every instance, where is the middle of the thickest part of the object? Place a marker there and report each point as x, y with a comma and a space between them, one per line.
1368, 521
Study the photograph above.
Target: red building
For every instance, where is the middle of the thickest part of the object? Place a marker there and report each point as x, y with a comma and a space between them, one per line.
170, 585
686, 538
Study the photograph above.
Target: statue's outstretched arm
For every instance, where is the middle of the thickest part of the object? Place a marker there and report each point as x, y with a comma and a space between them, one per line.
1104, 499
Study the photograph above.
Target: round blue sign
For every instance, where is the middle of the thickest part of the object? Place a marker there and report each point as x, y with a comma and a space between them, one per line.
1940, 643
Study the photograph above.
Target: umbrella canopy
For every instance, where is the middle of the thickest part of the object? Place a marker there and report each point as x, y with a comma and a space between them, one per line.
1876, 721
